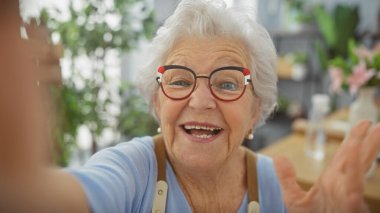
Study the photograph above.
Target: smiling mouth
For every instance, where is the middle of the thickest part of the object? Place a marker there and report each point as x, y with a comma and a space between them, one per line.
203, 132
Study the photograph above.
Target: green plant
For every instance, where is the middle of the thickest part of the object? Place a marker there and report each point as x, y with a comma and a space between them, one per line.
301, 9
135, 111
299, 58
337, 28
282, 104
88, 33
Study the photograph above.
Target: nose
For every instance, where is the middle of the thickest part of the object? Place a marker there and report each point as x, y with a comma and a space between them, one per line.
201, 98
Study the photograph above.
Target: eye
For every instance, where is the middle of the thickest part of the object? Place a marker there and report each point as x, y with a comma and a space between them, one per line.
227, 86
180, 83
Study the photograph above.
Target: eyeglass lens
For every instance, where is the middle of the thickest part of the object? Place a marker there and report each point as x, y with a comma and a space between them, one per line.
224, 84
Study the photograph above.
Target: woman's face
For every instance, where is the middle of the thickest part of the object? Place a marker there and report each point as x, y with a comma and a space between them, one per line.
179, 119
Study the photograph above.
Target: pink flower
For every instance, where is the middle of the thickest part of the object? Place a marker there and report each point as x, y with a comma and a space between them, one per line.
336, 75
363, 53
359, 77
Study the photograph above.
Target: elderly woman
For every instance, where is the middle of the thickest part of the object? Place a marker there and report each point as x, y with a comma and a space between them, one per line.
210, 81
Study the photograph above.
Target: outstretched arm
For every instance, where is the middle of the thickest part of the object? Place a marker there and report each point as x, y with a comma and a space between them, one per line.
340, 188
27, 183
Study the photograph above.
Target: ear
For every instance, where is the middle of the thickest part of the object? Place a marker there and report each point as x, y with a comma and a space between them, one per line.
156, 106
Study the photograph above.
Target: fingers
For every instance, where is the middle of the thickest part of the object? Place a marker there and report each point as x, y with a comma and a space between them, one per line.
349, 157
355, 204
356, 135
344, 178
358, 132
291, 191
353, 173
371, 147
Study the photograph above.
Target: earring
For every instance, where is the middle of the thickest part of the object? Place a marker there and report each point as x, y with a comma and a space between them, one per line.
250, 136
159, 130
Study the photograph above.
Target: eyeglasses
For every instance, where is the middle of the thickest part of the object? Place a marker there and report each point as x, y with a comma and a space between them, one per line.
225, 83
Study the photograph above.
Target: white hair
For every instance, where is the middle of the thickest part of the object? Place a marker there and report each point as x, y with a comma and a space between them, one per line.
212, 18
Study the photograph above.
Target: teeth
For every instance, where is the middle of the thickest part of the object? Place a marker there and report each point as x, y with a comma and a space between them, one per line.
203, 136
189, 127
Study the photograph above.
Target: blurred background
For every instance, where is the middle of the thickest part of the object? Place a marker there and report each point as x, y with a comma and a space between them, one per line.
96, 48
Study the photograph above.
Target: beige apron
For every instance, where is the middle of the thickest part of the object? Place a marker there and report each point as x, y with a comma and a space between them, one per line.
159, 203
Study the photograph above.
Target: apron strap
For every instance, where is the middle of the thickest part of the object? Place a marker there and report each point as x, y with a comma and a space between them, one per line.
252, 182
160, 197
159, 149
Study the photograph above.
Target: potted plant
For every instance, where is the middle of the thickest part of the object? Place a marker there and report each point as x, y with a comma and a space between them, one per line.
359, 74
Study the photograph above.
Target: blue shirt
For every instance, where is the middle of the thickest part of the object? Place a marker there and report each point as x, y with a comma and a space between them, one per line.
123, 179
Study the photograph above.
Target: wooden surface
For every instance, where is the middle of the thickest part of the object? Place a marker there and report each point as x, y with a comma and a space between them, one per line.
308, 170
334, 129
336, 124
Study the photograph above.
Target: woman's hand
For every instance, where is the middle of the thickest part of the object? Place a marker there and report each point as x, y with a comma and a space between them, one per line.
27, 184
340, 187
